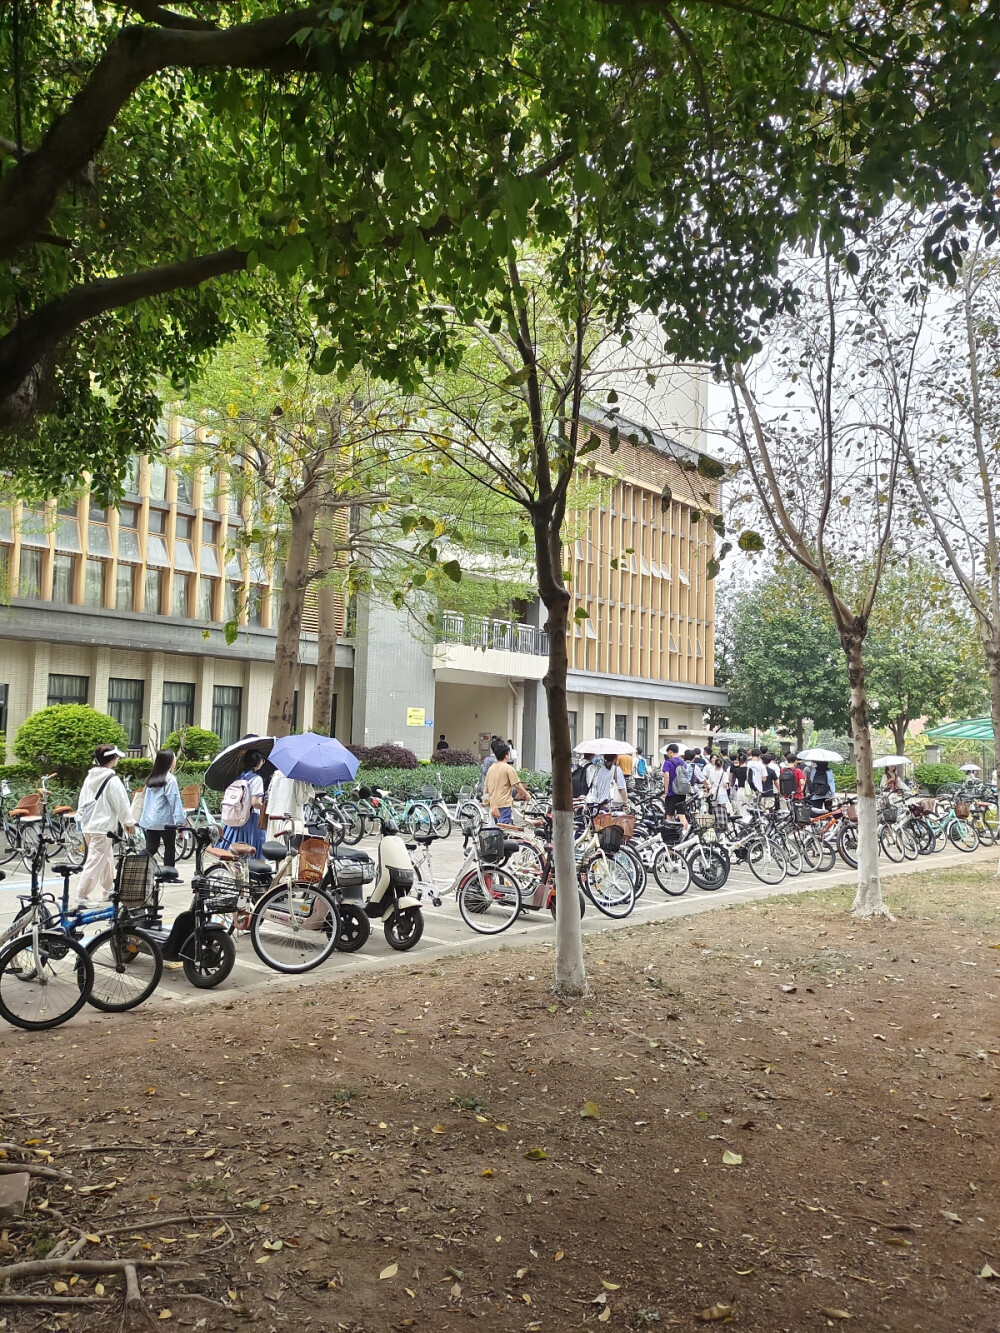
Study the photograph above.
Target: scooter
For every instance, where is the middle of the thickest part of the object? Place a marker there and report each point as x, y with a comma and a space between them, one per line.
197, 939
391, 900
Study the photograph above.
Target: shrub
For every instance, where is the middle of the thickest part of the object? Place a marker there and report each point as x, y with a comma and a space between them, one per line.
454, 758
385, 755
63, 736
934, 777
193, 743
403, 782
138, 769
845, 776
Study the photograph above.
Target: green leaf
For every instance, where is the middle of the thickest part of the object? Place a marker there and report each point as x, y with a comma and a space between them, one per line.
711, 467
581, 613
750, 541
453, 570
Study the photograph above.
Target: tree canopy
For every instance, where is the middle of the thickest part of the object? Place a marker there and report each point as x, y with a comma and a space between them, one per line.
167, 173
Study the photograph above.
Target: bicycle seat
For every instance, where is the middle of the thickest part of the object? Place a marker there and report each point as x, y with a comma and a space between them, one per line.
425, 839
243, 849
273, 851
64, 869
63, 810
222, 853
351, 854
26, 817
260, 867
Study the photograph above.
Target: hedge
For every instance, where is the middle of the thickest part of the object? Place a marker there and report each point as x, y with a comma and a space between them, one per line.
63, 737
454, 758
934, 777
385, 755
193, 743
400, 782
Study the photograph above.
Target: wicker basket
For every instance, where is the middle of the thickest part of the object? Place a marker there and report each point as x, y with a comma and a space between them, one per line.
626, 822
191, 796
851, 813
610, 839
313, 856
28, 807
962, 809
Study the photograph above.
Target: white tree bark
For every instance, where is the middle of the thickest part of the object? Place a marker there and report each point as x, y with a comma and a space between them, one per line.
571, 976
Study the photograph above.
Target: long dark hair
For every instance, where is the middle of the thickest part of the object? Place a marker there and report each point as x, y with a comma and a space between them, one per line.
160, 771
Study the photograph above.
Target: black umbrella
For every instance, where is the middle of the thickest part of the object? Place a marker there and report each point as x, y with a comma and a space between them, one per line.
229, 763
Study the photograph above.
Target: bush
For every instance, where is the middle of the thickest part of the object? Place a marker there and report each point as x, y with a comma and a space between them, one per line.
934, 777
138, 769
193, 743
63, 736
455, 758
386, 755
401, 782
845, 776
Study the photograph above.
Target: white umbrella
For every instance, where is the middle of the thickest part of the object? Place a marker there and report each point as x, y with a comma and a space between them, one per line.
604, 746
821, 756
971, 768
891, 761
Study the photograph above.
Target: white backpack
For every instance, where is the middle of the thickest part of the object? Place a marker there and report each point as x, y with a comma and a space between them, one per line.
236, 804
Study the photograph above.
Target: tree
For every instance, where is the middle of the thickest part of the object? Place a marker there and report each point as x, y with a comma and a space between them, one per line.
64, 736
922, 656
783, 658
170, 173
824, 473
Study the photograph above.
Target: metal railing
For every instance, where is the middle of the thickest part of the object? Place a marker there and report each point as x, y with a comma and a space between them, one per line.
480, 632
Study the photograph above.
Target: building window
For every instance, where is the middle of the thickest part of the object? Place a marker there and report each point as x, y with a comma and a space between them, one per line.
255, 606
227, 711
125, 588
154, 591
206, 599
157, 480
642, 734
183, 525
125, 706
157, 520
571, 714
130, 481
664, 723
98, 537
63, 570
178, 706
30, 585
182, 595
68, 689
4, 694
621, 726
234, 601
93, 588
598, 726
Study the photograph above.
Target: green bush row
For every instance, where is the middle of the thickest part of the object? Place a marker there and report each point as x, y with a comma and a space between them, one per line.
406, 782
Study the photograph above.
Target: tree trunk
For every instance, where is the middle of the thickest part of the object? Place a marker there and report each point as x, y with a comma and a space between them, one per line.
326, 597
571, 975
800, 736
898, 729
868, 900
991, 648
302, 524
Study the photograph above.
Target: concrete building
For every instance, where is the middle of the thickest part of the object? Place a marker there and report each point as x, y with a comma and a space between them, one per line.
125, 610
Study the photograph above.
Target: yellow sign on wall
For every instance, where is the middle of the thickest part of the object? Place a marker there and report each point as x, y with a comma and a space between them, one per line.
415, 717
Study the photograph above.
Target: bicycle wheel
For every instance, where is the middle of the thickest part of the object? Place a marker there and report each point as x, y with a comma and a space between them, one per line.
636, 871
185, 843
209, 956
794, 861
470, 813
440, 819
671, 872
963, 835
847, 843
583, 904
910, 849
607, 886
10, 843
810, 850
128, 966
990, 821
489, 900
354, 827
923, 836
294, 929
766, 860
29, 843
709, 866
890, 841
45, 979
355, 928
418, 820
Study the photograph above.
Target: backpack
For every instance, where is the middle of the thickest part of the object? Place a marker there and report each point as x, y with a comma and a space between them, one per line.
85, 812
236, 804
786, 782
581, 783
681, 784
819, 786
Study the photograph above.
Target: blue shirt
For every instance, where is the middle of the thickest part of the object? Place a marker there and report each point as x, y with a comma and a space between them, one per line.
162, 807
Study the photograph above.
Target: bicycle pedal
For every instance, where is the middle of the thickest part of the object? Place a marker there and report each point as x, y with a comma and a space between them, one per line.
436, 901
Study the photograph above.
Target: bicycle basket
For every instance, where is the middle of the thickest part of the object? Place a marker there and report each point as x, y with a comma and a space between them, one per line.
610, 839
625, 821
672, 833
962, 809
429, 793
28, 807
491, 846
313, 854
802, 813
851, 812
134, 885
705, 819
191, 796
890, 814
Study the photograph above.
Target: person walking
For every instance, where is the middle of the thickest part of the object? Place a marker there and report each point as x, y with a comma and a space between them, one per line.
756, 775
676, 784
500, 788
496, 745
247, 792
619, 783
512, 751
738, 780
102, 808
162, 808
715, 780
822, 787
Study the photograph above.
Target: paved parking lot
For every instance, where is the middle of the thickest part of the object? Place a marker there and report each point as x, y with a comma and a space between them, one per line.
444, 929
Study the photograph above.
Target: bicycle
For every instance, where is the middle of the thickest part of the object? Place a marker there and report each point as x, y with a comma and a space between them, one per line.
31, 821
198, 817
470, 810
433, 797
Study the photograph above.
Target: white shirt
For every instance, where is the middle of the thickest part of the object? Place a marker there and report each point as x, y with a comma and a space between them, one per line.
600, 784
717, 780
288, 796
113, 807
757, 773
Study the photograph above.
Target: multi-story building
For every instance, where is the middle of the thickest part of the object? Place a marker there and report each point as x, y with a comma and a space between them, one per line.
125, 610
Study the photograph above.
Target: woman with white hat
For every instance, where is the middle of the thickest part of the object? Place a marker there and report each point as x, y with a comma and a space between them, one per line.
103, 807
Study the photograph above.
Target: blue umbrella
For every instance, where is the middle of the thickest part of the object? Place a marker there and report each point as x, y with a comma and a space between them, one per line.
313, 758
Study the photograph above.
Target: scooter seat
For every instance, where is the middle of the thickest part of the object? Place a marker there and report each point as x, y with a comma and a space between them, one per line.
510, 847
243, 849
166, 875
350, 854
64, 869
425, 839
259, 867
221, 853
63, 810
273, 851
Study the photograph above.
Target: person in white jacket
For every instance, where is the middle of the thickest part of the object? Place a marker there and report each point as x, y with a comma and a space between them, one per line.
103, 807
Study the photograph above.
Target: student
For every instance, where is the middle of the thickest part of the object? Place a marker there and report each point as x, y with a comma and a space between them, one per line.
619, 787
756, 774
512, 751
676, 788
641, 768
715, 779
822, 788
740, 777
442, 743
601, 781
500, 788
162, 808
250, 831
103, 807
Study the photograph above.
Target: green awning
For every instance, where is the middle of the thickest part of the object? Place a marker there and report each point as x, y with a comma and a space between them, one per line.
972, 729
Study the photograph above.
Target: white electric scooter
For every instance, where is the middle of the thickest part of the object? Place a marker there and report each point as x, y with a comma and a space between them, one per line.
391, 901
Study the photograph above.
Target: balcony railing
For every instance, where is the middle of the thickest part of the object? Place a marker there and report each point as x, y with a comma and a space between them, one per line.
479, 632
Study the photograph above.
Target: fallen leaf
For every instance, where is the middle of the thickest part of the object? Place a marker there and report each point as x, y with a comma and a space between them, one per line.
987, 1271
715, 1314
98, 1288
554, 1008
744, 1272
731, 1158
391, 1271
438, 1129
897, 1240
611, 1286
488, 1173
604, 1316
589, 1111
93, 1238
207, 1155
600, 1299
273, 1244
951, 1217
60, 1287
501, 1128
789, 990
456, 1290
560, 1254
701, 1116
536, 1155
835, 1314
522, 1272
166, 1314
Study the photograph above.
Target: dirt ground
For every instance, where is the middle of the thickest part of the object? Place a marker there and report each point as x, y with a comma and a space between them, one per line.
772, 1116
